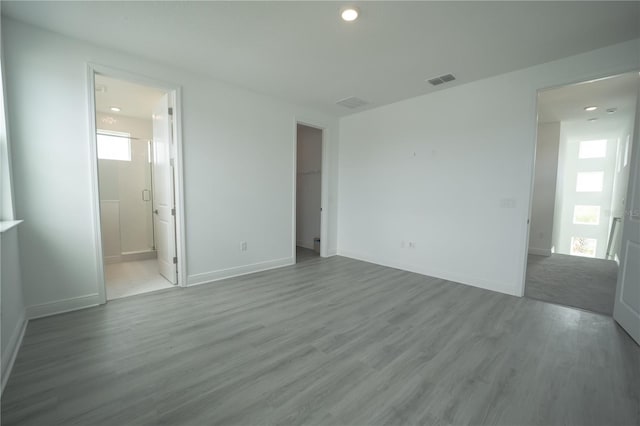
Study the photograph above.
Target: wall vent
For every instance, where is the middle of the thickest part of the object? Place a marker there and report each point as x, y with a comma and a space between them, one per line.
442, 79
352, 102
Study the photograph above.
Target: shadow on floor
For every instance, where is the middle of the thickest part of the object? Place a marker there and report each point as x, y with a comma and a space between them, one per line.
575, 281
304, 254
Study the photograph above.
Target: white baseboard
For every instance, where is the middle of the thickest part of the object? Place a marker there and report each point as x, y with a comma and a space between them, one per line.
222, 274
61, 306
499, 287
332, 252
112, 259
131, 256
540, 252
13, 346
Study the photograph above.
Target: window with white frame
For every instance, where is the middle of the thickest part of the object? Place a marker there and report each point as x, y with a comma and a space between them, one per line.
114, 145
583, 246
593, 149
590, 182
586, 215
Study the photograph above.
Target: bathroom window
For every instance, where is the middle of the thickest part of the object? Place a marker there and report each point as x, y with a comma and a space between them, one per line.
114, 145
593, 149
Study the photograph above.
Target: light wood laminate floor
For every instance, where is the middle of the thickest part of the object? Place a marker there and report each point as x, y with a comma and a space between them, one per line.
327, 342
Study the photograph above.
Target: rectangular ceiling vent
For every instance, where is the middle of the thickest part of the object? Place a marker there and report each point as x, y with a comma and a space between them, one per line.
352, 102
442, 79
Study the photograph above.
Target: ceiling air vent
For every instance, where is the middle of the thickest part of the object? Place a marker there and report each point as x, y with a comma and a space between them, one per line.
442, 79
352, 102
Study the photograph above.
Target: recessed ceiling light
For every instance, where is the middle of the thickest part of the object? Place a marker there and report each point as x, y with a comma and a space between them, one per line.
114, 109
611, 110
590, 108
349, 14
592, 119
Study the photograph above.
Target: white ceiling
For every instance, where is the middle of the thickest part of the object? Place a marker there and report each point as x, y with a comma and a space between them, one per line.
302, 52
566, 104
133, 100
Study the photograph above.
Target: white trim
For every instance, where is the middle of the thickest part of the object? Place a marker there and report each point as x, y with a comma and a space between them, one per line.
62, 306
131, 256
95, 188
332, 252
540, 252
5, 225
324, 194
324, 186
13, 345
294, 196
532, 177
499, 287
112, 259
175, 92
208, 277
181, 242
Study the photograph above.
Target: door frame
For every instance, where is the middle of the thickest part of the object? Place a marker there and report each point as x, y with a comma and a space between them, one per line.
324, 185
175, 93
586, 79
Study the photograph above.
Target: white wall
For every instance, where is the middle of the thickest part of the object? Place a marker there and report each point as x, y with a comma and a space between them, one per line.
309, 185
121, 185
544, 189
12, 309
238, 168
452, 172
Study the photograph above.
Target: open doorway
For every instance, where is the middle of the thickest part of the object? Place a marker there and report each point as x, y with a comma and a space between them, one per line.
135, 158
308, 192
583, 159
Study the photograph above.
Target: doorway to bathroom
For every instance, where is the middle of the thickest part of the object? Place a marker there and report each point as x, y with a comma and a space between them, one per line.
135, 167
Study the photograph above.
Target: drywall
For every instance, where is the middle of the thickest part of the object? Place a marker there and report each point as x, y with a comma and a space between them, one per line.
13, 310
309, 185
544, 189
124, 181
239, 157
451, 172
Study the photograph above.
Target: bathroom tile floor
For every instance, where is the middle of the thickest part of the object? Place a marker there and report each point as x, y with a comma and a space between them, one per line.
129, 278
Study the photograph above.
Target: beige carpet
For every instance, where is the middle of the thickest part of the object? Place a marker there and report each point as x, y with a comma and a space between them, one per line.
575, 281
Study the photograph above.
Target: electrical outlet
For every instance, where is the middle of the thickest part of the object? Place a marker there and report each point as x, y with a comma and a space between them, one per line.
243, 246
